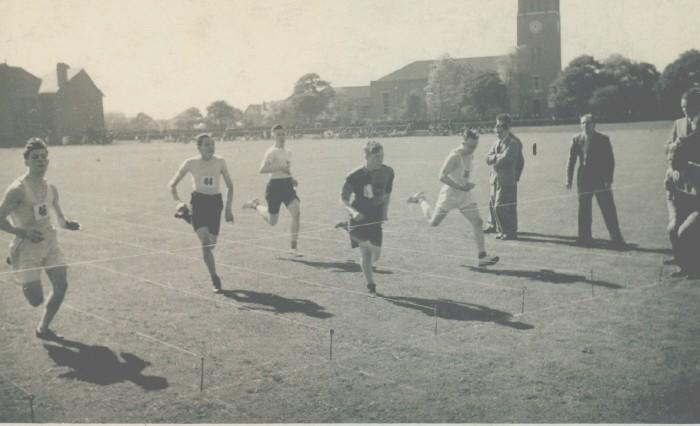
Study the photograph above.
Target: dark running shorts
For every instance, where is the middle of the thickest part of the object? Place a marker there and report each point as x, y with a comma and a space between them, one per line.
279, 191
206, 211
361, 231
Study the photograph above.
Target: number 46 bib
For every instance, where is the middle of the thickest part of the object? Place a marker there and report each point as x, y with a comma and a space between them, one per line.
41, 211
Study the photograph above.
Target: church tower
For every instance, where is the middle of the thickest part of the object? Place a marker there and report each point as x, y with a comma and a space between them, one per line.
539, 54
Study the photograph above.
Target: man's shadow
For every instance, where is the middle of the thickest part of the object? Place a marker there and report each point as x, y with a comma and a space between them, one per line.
547, 276
101, 366
567, 240
457, 311
347, 266
274, 303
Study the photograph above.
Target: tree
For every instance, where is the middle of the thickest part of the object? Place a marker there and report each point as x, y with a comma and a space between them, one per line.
608, 101
116, 121
221, 115
414, 108
445, 89
634, 84
311, 96
510, 68
573, 88
278, 112
188, 119
143, 122
678, 76
486, 95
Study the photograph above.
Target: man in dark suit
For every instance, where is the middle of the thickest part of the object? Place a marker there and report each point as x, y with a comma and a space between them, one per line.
593, 152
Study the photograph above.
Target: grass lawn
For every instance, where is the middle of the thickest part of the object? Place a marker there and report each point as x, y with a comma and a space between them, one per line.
553, 333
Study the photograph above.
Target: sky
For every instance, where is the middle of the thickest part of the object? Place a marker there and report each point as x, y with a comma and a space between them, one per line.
164, 56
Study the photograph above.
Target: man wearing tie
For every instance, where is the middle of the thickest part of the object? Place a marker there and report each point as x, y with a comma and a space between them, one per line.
690, 104
593, 152
682, 126
507, 162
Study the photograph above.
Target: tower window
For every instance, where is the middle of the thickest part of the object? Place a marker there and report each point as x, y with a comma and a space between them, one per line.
536, 82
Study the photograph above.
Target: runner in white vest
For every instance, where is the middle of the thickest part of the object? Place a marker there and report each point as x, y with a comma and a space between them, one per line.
31, 202
456, 194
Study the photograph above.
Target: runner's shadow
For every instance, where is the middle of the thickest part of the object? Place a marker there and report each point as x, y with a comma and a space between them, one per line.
457, 311
274, 303
547, 276
101, 366
347, 266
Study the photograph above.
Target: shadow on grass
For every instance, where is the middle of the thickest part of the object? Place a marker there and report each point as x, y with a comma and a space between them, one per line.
347, 266
457, 311
547, 276
567, 240
274, 303
101, 366
684, 401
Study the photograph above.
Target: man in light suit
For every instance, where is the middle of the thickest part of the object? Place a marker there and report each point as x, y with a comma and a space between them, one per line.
593, 152
507, 162
682, 126
690, 104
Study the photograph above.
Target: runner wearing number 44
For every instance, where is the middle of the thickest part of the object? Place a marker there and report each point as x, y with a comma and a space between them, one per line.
206, 201
456, 194
29, 202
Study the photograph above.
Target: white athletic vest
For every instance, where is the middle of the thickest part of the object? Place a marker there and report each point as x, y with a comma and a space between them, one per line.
206, 175
33, 212
277, 157
461, 173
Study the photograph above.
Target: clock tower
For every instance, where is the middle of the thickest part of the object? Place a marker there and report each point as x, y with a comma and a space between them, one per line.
539, 55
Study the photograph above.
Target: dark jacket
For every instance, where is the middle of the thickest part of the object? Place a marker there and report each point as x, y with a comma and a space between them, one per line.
596, 161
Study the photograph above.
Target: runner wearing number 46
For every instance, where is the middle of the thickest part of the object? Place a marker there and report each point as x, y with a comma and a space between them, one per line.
206, 202
456, 194
29, 202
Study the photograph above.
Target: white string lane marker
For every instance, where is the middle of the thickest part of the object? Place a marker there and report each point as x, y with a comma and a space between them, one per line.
31, 407
201, 376
330, 352
436, 318
522, 306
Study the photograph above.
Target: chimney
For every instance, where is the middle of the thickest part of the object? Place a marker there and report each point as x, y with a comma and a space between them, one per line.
62, 73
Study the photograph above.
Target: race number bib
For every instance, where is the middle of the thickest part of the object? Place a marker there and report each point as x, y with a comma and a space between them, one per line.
208, 181
367, 191
41, 212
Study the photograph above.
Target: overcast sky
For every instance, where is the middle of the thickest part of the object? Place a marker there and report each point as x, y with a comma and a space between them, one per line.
163, 56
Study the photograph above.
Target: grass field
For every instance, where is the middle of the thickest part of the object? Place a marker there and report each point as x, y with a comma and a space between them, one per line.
605, 336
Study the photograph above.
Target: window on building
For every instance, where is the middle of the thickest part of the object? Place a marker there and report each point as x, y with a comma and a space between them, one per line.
536, 82
385, 103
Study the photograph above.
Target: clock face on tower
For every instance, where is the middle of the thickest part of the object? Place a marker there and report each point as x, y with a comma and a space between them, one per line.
535, 26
